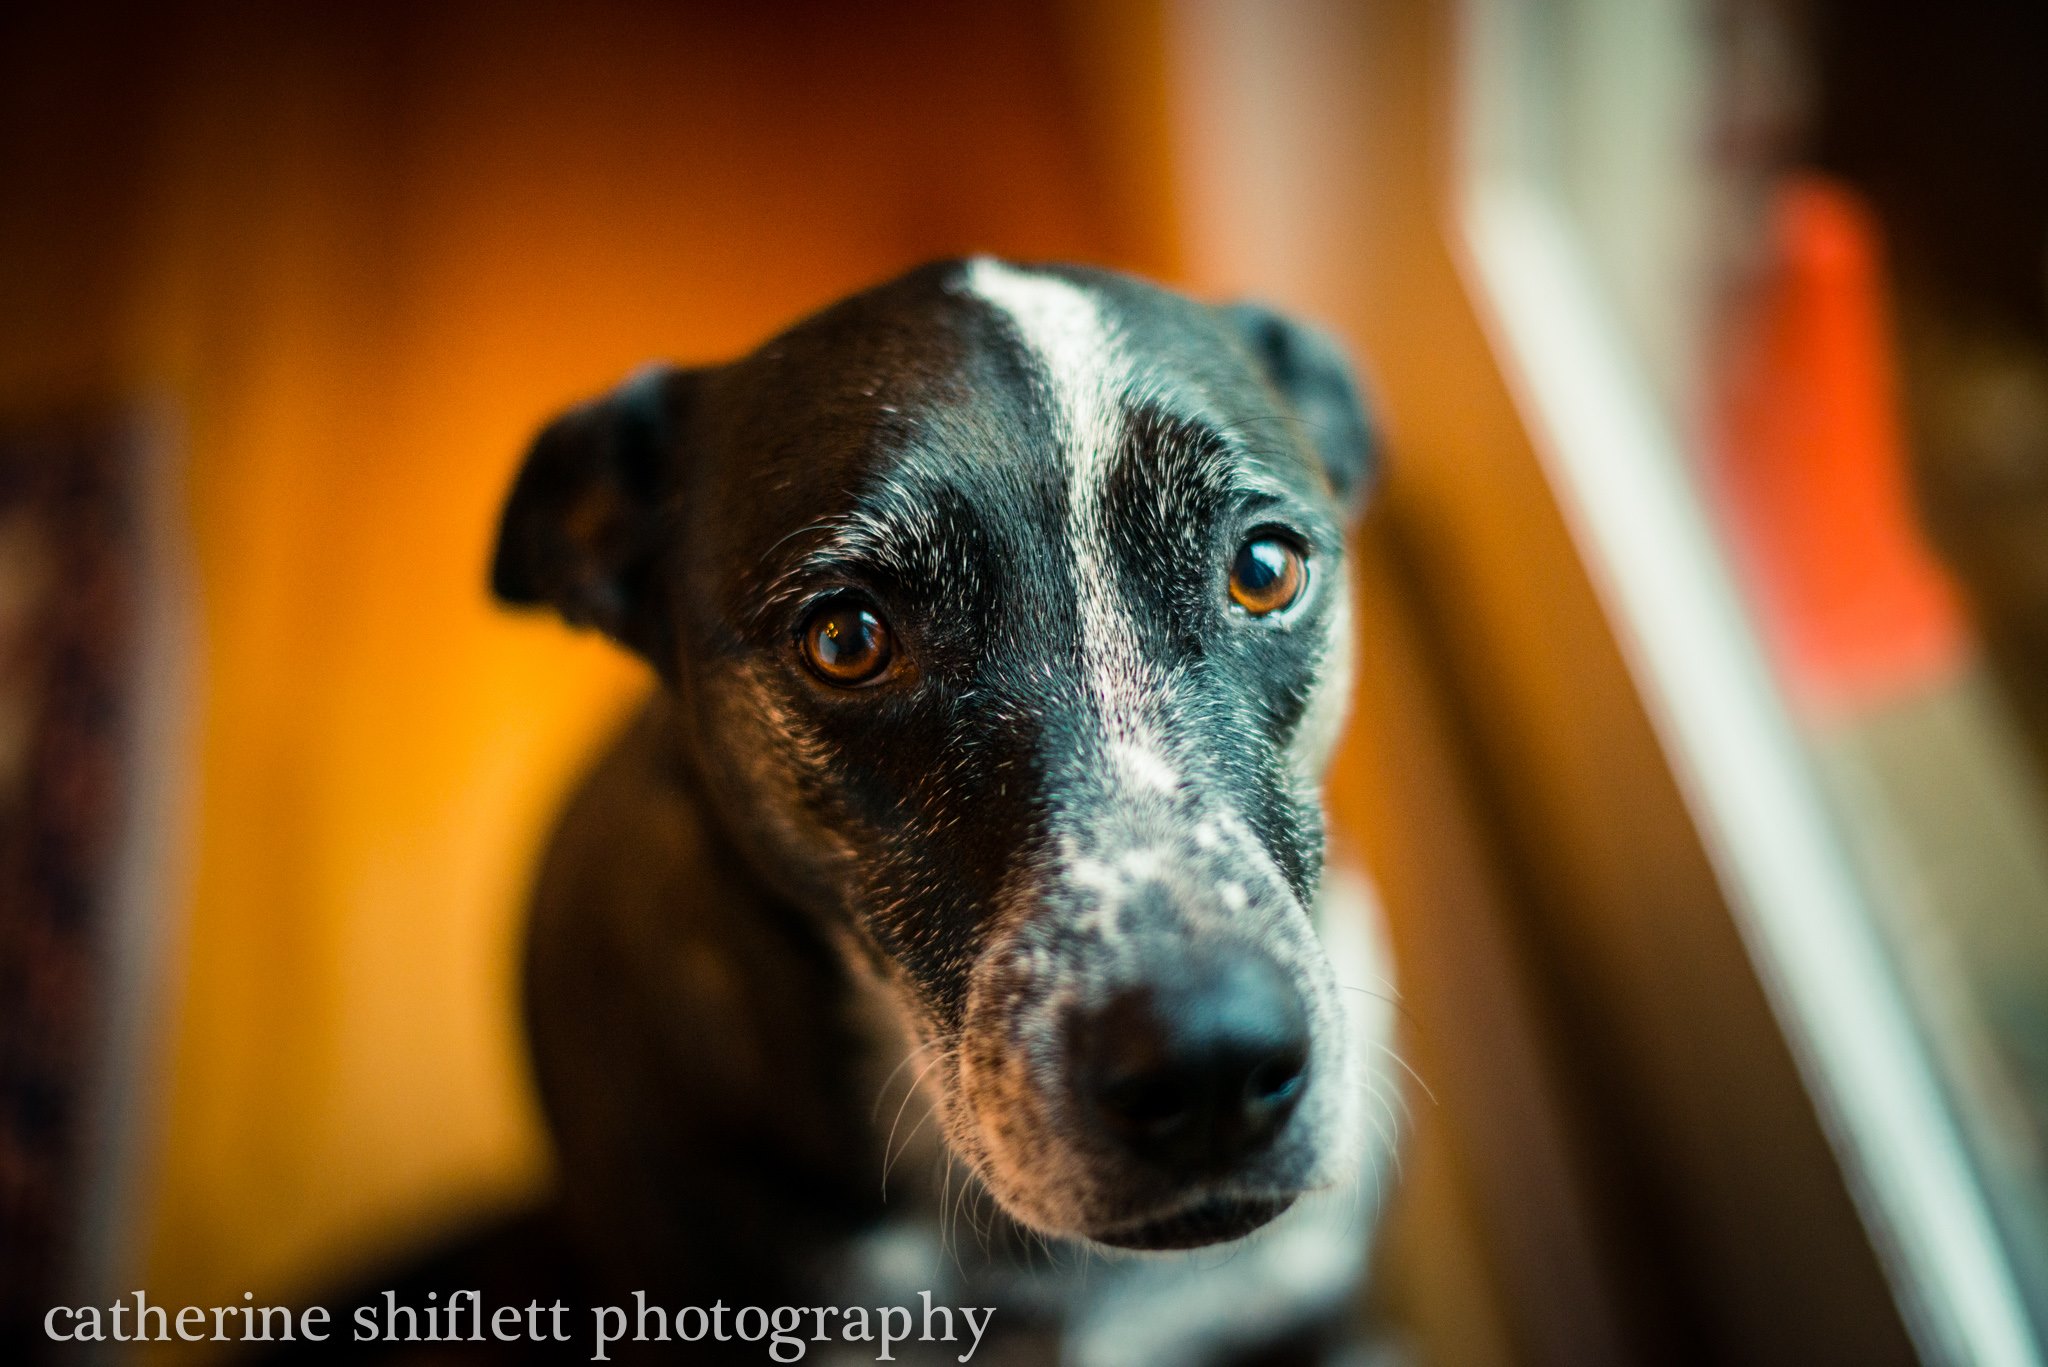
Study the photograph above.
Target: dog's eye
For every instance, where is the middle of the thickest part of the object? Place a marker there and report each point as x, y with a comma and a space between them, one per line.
1267, 575
847, 644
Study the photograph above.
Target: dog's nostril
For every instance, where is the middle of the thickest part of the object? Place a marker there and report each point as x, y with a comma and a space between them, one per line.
1199, 1066
1276, 1079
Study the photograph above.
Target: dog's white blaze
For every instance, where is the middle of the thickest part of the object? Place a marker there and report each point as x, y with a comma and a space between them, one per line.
1086, 375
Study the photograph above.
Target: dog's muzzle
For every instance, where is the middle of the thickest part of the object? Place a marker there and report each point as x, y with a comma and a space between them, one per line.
1153, 1053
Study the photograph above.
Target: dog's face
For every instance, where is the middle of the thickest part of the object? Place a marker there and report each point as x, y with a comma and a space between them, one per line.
1007, 611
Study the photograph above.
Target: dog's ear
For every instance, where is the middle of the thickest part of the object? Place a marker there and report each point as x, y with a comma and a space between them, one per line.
582, 529
1311, 372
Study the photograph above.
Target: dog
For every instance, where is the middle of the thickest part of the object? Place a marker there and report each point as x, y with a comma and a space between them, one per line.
1003, 635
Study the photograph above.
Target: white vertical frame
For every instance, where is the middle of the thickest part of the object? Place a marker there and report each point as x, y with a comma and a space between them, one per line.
1615, 457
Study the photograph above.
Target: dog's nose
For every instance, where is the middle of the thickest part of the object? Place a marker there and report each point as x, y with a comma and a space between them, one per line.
1201, 1064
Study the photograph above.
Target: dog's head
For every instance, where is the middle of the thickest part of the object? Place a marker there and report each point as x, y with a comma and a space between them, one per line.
1006, 613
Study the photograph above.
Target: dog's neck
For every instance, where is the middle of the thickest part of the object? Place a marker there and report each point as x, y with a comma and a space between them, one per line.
680, 1013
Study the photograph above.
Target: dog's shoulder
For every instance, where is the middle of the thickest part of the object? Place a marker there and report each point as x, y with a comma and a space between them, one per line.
627, 817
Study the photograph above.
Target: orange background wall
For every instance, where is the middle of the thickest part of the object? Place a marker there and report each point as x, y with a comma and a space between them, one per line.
360, 251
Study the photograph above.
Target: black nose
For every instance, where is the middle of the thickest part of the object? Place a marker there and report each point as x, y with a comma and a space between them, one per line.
1198, 1066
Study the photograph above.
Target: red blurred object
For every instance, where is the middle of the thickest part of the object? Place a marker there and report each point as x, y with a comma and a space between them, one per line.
1813, 472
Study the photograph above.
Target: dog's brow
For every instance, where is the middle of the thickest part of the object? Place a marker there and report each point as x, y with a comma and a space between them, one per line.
1189, 446
1229, 454
899, 539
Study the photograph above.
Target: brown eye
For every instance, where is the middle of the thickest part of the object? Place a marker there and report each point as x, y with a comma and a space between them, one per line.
1267, 575
846, 644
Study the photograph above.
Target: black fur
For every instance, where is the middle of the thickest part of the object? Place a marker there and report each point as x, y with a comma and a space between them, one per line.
761, 848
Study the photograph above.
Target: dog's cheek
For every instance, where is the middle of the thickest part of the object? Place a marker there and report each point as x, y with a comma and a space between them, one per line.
1275, 822
1003, 1126
1321, 725
1358, 1021
771, 775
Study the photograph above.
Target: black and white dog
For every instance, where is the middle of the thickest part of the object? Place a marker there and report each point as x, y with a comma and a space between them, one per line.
1004, 634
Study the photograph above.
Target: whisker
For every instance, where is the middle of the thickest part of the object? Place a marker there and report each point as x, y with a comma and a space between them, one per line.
1408, 1070
875, 1111
954, 1220
1390, 997
887, 1144
889, 1164
1390, 1138
985, 1200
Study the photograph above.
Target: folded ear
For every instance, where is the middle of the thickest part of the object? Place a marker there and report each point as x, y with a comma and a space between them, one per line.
582, 529
1312, 374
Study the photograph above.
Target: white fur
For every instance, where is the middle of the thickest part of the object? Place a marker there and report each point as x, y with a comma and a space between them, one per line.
1086, 376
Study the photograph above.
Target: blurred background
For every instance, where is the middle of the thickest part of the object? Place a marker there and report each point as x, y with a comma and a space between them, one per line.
1703, 711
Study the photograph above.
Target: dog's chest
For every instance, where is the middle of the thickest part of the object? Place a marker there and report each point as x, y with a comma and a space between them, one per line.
1061, 1303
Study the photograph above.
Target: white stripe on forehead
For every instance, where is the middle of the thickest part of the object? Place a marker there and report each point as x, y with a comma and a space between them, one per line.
1086, 375
1085, 369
